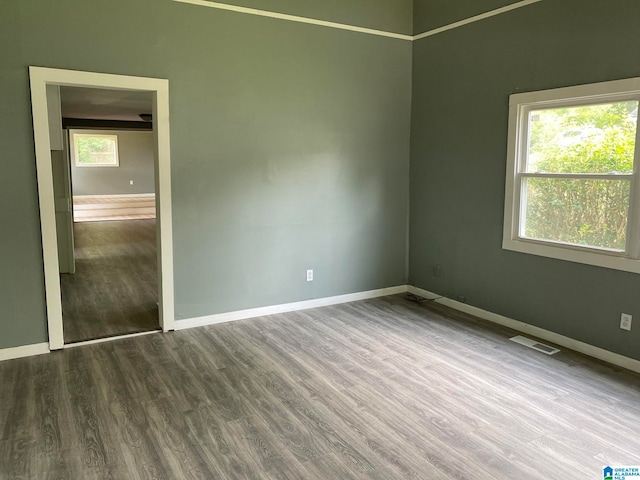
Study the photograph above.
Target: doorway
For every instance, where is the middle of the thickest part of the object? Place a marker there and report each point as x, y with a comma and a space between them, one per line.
46, 120
109, 282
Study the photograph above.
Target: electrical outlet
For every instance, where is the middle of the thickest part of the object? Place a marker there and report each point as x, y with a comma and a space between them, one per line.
309, 275
130, 182
625, 321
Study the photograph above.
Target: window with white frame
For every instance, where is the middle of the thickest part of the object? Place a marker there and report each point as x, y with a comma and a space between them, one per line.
572, 189
92, 149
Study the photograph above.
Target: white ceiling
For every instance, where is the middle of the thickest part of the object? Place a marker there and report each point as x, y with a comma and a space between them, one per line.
102, 104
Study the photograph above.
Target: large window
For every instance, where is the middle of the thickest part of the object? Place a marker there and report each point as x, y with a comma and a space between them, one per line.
572, 180
94, 149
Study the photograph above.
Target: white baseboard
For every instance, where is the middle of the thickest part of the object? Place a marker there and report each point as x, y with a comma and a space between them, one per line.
578, 346
40, 348
570, 343
24, 351
286, 307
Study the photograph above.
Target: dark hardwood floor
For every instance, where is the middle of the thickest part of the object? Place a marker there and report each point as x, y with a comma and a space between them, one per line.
382, 389
114, 290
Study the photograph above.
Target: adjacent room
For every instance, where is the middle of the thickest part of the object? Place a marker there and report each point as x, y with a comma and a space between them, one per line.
320, 240
108, 271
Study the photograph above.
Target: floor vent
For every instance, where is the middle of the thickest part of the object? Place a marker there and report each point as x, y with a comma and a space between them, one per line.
541, 347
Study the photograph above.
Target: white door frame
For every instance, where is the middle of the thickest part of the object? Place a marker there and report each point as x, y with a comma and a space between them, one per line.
40, 77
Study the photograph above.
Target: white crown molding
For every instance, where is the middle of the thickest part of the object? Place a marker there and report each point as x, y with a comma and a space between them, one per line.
353, 28
286, 307
24, 351
570, 343
476, 18
295, 18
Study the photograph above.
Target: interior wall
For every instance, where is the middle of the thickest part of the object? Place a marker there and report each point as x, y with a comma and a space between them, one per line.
462, 80
136, 158
290, 150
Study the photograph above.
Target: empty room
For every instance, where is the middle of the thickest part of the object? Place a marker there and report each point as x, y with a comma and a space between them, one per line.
378, 239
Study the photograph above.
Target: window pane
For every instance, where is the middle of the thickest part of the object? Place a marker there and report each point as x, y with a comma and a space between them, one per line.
585, 139
96, 150
584, 212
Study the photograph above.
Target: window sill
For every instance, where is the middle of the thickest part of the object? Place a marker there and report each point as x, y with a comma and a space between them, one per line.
596, 258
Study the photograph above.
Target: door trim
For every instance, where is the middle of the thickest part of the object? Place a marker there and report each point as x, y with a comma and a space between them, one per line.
40, 77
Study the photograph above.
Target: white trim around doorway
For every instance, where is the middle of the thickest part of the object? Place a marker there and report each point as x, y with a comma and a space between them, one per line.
40, 77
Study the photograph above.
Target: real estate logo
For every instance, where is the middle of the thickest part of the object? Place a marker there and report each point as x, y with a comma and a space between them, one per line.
621, 473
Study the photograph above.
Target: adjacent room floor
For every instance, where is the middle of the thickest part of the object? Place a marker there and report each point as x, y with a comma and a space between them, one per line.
98, 208
383, 389
114, 290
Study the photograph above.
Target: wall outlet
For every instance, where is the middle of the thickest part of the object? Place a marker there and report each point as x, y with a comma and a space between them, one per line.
309, 275
130, 182
625, 321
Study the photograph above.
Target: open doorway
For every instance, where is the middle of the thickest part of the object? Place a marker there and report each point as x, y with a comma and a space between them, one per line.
109, 278
150, 240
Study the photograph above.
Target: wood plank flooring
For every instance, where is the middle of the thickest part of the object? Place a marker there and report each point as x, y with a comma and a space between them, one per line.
377, 389
114, 290
98, 208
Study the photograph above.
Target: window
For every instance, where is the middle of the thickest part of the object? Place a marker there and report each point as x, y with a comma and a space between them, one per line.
94, 149
572, 189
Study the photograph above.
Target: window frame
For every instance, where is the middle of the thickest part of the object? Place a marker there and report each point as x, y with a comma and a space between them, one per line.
92, 133
520, 105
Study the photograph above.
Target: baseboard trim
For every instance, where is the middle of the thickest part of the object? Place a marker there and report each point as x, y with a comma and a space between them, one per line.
23, 351
567, 342
286, 307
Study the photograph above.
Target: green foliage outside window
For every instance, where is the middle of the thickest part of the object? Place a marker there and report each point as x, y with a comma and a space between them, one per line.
95, 150
595, 139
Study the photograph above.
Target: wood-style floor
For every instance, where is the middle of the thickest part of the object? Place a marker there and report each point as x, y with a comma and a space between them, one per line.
114, 290
98, 208
382, 389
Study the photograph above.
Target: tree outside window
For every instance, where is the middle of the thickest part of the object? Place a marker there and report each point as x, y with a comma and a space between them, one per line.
93, 150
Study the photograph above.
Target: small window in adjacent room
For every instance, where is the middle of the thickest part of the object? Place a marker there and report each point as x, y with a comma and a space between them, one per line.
95, 150
572, 189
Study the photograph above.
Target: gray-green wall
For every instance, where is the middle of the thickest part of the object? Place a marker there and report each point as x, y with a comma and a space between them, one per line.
135, 154
461, 86
290, 150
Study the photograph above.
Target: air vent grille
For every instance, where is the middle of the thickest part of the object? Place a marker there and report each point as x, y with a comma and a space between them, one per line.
540, 347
